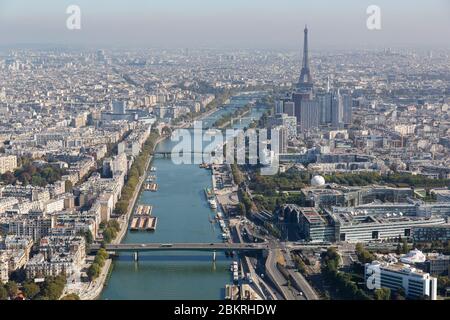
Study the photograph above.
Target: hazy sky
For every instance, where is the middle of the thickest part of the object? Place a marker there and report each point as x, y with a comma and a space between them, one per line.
226, 23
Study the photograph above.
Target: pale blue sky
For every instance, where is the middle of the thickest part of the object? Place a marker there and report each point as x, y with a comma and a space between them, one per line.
229, 23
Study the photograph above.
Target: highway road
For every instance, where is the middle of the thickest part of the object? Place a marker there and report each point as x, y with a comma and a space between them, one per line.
299, 281
303, 285
261, 286
277, 278
300, 284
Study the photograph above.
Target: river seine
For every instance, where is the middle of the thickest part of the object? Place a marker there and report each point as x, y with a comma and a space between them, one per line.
183, 216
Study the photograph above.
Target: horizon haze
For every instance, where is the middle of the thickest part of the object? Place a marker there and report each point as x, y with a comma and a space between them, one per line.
235, 24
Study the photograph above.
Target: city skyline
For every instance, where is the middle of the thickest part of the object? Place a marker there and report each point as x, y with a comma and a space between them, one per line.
224, 151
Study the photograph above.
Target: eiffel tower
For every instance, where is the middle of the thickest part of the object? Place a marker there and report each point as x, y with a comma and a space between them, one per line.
305, 82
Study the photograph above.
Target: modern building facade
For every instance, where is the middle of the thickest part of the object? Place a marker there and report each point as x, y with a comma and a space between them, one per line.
416, 283
432, 233
437, 265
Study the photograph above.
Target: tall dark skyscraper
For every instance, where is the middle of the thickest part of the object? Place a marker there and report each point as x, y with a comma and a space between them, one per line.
305, 82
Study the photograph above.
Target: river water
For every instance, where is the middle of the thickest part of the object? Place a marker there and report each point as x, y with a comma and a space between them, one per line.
183, 216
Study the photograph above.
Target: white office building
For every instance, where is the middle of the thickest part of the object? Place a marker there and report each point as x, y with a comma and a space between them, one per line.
415, 283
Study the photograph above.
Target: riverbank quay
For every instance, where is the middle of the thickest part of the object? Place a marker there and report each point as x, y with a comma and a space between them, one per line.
93, 289
124, 220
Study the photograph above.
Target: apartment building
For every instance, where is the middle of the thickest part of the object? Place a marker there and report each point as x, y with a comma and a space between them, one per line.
8, 163
57, 255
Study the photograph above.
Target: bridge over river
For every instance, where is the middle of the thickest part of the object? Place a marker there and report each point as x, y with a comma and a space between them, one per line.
137, 247
213, 247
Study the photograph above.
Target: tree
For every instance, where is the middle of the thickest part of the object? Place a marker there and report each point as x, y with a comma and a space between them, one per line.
299, 264
241, 209
12, 289
382, 294
114, 224
31, 290
71, 296
52, 288
8, 177
237, 174
399, 249
93, 271
88, 237
363, 254
29, 173
3, 292
245, 200
121, 207
18, 276
99, 260
108, 235
447, 248
399, 294
405, 247
102, 253
443, 282
341, 283
331, 260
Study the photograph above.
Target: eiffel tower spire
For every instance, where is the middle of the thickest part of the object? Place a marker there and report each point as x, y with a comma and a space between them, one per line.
305, 81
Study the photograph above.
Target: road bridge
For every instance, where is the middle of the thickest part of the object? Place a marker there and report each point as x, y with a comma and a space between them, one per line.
168, 154
199, 246
182, 247
212, 247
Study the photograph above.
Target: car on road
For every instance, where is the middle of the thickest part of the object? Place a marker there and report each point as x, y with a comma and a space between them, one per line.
143, 245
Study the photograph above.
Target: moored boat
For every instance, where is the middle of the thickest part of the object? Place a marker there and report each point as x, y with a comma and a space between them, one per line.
212, 204
209, 193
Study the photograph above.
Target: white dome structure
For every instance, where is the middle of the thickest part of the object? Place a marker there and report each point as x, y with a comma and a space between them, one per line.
318, 181
414, 256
